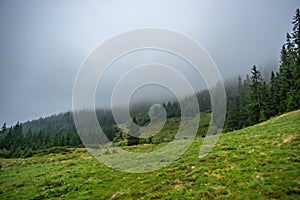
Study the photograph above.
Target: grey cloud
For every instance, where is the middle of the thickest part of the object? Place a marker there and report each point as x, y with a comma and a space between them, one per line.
43, 43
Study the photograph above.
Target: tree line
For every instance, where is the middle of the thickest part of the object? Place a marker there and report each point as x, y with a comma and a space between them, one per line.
15, 143
23, 140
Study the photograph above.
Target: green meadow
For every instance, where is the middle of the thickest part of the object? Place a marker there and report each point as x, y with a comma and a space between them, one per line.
258, 162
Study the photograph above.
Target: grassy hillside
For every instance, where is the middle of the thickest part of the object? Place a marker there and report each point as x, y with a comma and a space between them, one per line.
259, 162
168, 132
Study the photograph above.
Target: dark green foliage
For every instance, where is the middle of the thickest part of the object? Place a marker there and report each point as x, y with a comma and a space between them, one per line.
237, 105
133, 134
274, 95
12, 141
256, 92
4, 153
142, 119
28, 152
64, 122
258, 101
15, 143
172, 109
22, 140
204, 101
54, 150
289, 73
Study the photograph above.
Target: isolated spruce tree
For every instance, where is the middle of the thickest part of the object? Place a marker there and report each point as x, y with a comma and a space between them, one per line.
255, 96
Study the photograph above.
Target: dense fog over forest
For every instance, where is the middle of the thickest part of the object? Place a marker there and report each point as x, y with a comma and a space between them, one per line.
43, 44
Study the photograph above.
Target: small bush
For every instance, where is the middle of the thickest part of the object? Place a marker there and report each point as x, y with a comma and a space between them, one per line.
54, 150
27, 153
4, 153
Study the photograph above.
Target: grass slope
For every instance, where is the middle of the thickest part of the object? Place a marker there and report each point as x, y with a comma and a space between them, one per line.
258, 162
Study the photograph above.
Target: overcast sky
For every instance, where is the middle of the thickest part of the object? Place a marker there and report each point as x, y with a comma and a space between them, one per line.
43, 42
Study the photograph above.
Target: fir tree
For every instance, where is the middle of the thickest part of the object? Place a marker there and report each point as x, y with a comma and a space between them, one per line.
133, 133
255, 96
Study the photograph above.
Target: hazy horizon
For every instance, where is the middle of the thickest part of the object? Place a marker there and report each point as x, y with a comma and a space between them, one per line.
45, 42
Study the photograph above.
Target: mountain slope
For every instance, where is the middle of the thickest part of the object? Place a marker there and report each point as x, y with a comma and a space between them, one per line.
261, 161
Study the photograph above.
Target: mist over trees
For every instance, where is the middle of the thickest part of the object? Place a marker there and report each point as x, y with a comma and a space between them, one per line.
250, 100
